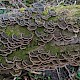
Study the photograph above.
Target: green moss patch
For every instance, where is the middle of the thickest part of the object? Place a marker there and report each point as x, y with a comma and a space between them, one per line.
52, 48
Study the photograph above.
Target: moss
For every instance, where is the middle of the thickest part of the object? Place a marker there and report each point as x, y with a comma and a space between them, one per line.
16, 30
53, 18
22, 53
52, 48
71, 8
40, 29
2, 60
45, 12
77, 13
